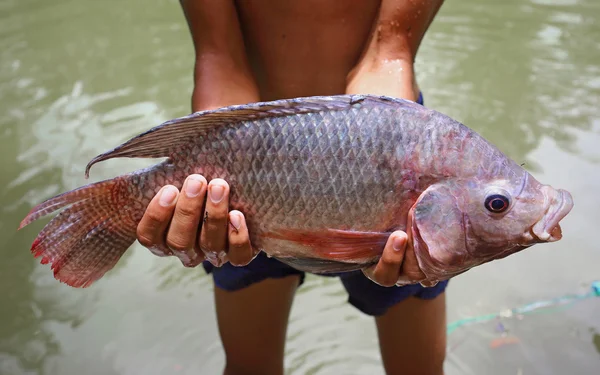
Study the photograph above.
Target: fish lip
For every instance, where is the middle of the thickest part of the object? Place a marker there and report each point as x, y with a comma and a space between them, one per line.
548, 229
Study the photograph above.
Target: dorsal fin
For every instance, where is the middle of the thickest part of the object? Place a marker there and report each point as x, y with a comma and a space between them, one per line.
162, 140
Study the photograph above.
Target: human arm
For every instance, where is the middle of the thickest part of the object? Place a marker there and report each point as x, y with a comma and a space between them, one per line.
386, 66
222, 75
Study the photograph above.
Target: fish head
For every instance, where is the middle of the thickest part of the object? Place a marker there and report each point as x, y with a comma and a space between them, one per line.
459, 224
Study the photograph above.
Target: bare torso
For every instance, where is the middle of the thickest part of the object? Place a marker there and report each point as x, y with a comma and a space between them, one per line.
300, 48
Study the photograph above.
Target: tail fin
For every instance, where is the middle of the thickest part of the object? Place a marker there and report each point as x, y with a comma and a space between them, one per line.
86, 239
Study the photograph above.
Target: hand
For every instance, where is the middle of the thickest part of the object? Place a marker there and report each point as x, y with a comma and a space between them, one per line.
191, 227
398, 264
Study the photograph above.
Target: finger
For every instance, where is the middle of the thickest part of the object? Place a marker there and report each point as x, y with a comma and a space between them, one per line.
410, 270
160, 250
183, 231
151, 229
213, 235
240, 251
387, 270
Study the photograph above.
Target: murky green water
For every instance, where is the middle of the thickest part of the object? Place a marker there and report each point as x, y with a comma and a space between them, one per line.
79, 77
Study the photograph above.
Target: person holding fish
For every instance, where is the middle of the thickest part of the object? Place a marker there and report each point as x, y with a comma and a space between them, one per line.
254, 51
308, 122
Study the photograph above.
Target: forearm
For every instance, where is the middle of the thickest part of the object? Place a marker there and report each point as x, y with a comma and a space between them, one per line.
218, 82
386, 66
222, 75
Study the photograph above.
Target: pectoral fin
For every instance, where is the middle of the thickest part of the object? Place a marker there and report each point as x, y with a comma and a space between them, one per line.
345, 246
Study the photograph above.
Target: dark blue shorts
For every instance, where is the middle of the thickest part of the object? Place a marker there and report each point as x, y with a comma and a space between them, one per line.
364, 294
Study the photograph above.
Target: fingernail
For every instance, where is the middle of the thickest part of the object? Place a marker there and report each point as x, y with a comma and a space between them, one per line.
398, 243
235, 220
193, 187
216, 193
167, 197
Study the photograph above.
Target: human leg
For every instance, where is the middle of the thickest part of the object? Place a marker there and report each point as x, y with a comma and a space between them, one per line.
253, 305
411, 322
412, 336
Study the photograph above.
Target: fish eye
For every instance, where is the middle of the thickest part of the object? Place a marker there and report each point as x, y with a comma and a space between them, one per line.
496, 203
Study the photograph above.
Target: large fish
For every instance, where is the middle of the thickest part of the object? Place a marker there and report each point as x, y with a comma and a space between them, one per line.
322, 181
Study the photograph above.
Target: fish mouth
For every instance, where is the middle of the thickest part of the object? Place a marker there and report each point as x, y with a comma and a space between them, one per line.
547, 229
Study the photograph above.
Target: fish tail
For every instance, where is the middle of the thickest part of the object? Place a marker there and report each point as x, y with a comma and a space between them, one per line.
90, 235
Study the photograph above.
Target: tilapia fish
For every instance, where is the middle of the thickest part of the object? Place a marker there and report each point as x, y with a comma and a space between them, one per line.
322, 181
